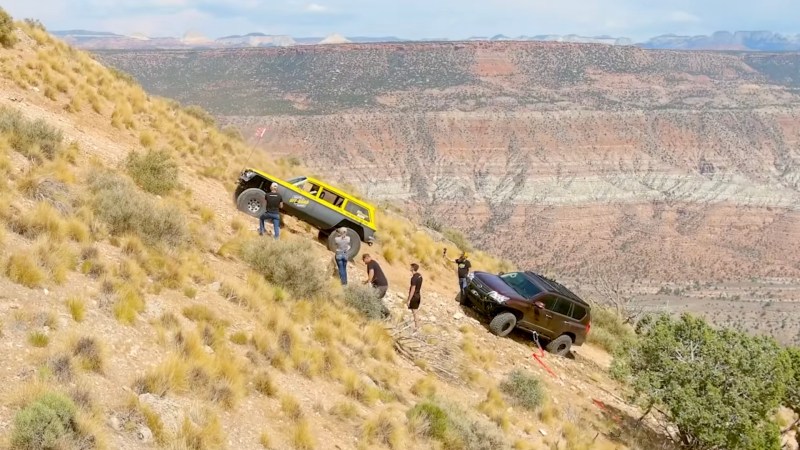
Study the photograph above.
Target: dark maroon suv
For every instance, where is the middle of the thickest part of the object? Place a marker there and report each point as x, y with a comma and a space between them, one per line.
533, 303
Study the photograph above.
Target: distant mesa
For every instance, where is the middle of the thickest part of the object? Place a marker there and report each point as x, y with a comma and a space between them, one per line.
195, 38
335, 39
767, 41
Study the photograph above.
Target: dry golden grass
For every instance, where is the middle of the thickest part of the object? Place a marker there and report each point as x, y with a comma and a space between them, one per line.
388, 429
202, 431
89, 352
345, 410
21, 268
128, 305
495, 408
38, 339
169, 376
58, 259
303, 436
291, 408
264, 384
77, 308
239, 338
265, 440
424, 387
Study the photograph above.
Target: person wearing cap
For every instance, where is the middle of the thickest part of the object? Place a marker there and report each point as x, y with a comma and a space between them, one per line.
271, 212
463, 270
342, 241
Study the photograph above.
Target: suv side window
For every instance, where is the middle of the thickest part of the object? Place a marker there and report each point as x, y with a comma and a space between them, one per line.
578, 312
330, 197
549, 302
562, 306
356, 210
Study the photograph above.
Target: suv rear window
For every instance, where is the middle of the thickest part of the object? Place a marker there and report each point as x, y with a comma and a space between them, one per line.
356, 210
578, 312
562, 307
521, 284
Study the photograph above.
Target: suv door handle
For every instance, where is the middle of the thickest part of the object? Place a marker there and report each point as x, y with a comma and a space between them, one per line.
548, 316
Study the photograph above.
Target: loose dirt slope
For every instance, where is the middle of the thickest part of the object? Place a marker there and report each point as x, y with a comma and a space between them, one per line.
138, 307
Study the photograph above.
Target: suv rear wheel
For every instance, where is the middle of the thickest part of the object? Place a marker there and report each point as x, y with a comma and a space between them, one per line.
560, 346
355, 243
252, 202
503, 323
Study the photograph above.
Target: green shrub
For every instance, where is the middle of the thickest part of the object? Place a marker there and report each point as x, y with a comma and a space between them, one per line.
453, 428
126, 209
32, 138
43, 423
155, 171
7, 30
719, 388
289, 264
364, 299
524, 388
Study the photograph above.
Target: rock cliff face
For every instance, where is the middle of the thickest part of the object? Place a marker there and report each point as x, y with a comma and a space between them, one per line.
564, 157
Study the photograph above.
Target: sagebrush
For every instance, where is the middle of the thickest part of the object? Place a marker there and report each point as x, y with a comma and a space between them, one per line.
33, 138
524, 388
126, 209
43, 423
364, 299
155, 171
287, 263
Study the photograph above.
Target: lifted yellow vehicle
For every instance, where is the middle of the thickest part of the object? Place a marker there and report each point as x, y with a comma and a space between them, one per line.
313, 201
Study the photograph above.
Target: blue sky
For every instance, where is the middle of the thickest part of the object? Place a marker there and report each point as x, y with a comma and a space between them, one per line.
638, 19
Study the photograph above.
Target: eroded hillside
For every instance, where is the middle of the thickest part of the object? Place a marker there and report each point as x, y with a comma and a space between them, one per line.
135, 311
587, 161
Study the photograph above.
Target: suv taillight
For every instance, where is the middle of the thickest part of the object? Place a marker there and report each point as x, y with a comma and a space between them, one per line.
588, 326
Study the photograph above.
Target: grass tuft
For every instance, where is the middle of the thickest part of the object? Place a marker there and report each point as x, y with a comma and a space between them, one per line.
88, 351
38, 339
303, 437
524, 389
22, 269
77, 308
33, 138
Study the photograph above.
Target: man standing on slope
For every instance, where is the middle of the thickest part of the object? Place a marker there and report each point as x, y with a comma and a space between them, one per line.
377, 279
414, 294
271, 212
463, 270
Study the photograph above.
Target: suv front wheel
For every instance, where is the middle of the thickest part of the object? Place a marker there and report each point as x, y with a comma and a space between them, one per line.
503, 323
560, 346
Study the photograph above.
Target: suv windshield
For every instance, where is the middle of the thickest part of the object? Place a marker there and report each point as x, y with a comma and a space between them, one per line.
520, 283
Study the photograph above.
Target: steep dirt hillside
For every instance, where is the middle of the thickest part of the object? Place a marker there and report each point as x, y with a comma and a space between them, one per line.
595, 162
138, 308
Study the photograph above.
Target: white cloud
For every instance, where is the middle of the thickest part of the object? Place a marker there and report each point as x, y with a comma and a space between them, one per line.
316, 8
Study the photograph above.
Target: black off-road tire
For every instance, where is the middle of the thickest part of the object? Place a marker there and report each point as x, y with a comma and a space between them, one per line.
560, 346
251, 201
503, 323
355, 243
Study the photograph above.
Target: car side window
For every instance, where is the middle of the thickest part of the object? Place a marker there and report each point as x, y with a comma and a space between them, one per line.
330, 197
562, 307
578, 312
357, 210
311, 188
549, 302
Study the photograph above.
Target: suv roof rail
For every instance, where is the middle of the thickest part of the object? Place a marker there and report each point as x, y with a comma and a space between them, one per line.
554, 286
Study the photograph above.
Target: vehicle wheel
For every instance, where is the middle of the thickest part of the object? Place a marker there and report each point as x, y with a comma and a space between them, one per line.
355, 243
252, 202
560, 346
503, 323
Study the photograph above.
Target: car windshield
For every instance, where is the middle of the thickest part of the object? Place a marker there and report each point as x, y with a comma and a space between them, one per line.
520, 283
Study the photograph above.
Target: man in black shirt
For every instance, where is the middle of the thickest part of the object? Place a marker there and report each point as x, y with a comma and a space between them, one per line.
375, 275
414, 292
463, 270
377, 279
271, 212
